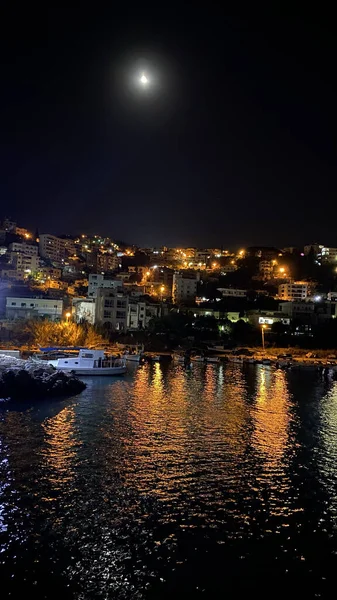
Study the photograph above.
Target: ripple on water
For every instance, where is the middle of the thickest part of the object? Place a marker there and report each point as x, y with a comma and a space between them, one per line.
170, 479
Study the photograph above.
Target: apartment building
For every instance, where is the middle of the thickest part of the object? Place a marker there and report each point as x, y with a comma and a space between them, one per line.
185, 286
141, 312
297, 290
23, 248
54, 248
98, 281
29, 263
111, 309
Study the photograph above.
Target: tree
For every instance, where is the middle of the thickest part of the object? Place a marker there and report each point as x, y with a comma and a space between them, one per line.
46, 333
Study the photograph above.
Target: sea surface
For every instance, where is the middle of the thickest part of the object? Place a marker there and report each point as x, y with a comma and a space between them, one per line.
218, 482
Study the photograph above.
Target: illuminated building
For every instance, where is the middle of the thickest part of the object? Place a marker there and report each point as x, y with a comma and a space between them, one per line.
267, 317
327, 255
55, 248
298, 290
185, 286
33, 308
24, 262
232, 292
22, 232
266, 268
84, 310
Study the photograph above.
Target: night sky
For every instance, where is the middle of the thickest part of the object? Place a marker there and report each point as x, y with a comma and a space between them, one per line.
233, 143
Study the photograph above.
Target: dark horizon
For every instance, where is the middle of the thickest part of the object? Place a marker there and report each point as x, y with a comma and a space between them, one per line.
233, 145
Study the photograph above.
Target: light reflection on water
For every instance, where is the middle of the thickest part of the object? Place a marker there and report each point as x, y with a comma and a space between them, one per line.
199, 479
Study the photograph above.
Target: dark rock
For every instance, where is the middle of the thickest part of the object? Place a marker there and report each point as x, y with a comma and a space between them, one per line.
21, 384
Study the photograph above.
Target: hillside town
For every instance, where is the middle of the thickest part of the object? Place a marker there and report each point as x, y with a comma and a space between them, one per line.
232, 295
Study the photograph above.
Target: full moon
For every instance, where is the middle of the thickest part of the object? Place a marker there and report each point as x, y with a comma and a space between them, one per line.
143, 79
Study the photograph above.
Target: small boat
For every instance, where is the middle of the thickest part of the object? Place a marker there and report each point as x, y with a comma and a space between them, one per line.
236, 359
212, 359
197, 358
132, 357
134, 353
90, 362
178, 358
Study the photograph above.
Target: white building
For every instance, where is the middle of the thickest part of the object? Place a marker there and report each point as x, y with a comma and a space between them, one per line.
140, 313
25, 262
97, 281
267, 317
136, 318
232, 292
84, 310
55, 248
298, 290
33, 308
28, 249
184, 286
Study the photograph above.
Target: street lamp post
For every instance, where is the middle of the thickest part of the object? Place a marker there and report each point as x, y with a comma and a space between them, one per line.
68, 315
162, 289
262, 333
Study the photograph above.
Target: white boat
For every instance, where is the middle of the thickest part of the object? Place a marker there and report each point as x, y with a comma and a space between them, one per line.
90, 362
134, 353
132, 357
212, 359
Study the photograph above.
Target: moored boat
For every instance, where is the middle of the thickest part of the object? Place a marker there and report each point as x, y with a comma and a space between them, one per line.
132, 357
180, 358
212, 359
91, 362
235, 359
197, 358
134, 353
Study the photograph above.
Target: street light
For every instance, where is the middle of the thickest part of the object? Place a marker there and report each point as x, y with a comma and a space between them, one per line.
68, 315
162, 289
263, 327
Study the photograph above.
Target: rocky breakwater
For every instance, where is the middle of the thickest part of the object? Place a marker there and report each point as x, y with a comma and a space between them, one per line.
25, 379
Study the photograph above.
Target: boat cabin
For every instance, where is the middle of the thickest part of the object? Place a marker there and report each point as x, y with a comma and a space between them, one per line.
86, 359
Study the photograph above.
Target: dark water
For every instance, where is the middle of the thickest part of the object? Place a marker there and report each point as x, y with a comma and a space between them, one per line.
216, 483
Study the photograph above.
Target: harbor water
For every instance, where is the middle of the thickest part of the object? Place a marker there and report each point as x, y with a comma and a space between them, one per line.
214, 482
